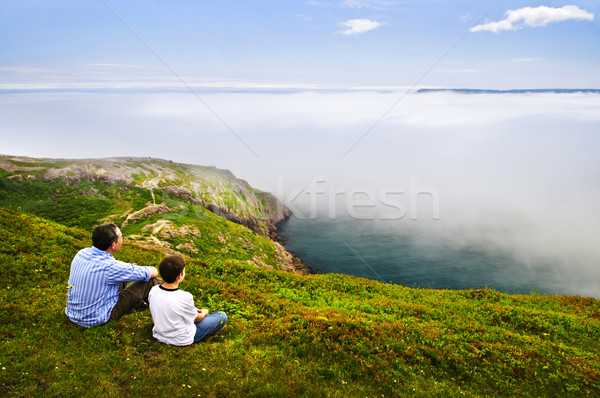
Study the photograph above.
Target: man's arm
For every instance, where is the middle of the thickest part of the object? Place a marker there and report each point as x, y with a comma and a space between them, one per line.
153, 272
119, 271
201, 315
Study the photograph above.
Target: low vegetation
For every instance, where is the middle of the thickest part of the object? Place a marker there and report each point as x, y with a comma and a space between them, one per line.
287, 335
89, 203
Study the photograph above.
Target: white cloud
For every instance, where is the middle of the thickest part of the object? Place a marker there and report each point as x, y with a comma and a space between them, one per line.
304, 18
353, 4
466, 18
534, 18
22, 69
528, 59
375, 4
460, 70
358, 26
117, 65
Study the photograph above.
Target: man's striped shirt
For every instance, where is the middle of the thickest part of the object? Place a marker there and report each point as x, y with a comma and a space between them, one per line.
94, 285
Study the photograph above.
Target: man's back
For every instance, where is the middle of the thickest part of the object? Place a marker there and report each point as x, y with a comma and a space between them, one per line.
94, 285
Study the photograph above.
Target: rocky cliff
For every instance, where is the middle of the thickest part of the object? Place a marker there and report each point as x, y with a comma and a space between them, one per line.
173, 192
218, 190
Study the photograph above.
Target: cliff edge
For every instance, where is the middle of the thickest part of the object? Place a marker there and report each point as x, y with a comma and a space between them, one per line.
137, 193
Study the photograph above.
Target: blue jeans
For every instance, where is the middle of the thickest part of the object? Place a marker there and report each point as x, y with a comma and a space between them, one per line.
211, 324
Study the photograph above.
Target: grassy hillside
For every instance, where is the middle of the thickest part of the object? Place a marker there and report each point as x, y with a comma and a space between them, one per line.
288, 335
149, 209
100, 181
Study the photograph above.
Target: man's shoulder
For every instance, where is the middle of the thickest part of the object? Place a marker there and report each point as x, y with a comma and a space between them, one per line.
92, 251
84, 255
85, 250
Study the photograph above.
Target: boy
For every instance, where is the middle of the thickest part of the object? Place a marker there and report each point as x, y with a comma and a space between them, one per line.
177, 321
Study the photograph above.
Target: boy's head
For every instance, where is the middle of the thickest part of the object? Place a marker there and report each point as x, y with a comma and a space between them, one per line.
170, 268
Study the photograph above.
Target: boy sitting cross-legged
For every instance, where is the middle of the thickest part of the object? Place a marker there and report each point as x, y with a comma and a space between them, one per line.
177, 321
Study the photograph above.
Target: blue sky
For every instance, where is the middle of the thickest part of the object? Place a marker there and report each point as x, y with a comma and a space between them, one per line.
329, 43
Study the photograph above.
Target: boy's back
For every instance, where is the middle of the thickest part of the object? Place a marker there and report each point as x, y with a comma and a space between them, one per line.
173, 312
177, 321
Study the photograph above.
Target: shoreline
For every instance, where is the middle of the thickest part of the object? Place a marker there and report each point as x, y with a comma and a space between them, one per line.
298, 265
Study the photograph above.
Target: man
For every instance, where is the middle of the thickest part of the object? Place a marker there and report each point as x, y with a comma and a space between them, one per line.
94, 296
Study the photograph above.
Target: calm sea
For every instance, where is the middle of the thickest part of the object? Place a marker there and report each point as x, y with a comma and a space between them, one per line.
365, 248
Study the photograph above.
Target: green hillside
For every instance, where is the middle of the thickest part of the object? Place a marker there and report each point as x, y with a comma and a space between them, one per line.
117, 185
192, 210
287, 335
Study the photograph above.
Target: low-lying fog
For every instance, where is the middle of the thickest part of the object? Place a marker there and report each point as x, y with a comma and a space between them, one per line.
516, 174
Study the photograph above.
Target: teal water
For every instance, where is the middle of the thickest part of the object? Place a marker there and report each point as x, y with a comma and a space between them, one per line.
361, 248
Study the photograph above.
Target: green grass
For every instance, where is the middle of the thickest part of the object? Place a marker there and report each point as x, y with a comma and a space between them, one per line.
287, 335
33, 163
85, 204
220, 238
81, 205
217, 186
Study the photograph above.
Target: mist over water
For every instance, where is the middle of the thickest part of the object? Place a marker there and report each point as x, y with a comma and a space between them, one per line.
464, 192
357, 248
447, 190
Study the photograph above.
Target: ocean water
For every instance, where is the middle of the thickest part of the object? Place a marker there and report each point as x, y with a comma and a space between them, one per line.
366, 248
454, 192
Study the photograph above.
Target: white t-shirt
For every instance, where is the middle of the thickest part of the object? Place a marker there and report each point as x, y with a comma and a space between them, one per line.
173, 312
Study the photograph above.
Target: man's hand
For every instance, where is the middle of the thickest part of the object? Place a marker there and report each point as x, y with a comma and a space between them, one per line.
153, 272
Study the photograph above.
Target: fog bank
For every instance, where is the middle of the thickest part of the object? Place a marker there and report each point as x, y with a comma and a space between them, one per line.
517, 174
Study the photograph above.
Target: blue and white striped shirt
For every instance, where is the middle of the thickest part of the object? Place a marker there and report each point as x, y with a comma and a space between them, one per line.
94, 285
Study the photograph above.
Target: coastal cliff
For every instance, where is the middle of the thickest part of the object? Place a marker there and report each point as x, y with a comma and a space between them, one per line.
156, 202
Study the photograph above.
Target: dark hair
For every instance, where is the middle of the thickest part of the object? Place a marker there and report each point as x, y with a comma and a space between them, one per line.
104, 235
171, 267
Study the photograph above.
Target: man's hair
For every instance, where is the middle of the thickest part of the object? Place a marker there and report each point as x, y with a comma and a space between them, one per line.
171, 267
104, 235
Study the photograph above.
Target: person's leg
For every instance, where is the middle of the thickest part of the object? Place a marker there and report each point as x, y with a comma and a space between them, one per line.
211, 324
132, 297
